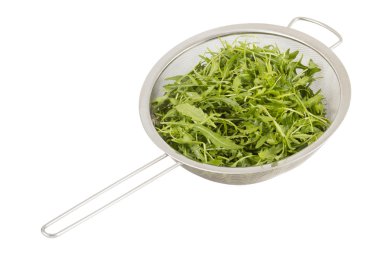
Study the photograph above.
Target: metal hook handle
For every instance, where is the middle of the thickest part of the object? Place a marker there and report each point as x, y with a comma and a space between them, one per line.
84, 202
340, 39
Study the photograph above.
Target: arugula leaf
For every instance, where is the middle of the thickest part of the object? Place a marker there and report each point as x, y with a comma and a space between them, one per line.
216, 138
196, 114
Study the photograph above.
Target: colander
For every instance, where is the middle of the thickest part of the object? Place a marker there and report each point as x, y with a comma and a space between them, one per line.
334, 83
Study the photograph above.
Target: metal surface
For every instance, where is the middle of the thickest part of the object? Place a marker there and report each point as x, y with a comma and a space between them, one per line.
340, 39
335, 87
96, 195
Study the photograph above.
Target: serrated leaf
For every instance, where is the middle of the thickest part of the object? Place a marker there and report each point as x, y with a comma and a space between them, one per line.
196, 114
236, 84
216, 138
261, 141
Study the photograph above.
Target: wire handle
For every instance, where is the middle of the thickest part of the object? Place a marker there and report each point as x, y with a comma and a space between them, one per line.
84, 202
340, 39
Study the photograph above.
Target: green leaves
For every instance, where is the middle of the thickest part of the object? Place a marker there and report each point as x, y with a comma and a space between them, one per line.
196, 114
218, 140
236, 84
242, 105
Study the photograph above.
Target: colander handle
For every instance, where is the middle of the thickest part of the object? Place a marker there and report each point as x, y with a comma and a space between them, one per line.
340, 39
84, 202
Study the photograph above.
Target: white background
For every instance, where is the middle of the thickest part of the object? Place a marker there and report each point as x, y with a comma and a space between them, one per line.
70, 78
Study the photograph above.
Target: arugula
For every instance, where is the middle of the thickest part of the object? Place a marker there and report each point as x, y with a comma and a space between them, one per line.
242, 105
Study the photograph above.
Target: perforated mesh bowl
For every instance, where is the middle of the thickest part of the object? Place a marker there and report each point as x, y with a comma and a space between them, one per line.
334, 83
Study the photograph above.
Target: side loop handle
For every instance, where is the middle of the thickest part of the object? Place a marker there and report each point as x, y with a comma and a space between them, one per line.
112, 202
340, 39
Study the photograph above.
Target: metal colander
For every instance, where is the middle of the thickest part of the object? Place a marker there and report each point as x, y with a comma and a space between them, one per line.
334, 84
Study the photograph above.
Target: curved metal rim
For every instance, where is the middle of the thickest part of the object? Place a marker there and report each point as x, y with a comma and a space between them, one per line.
324, 51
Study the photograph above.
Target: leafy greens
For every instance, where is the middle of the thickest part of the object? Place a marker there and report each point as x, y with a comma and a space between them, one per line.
242, 105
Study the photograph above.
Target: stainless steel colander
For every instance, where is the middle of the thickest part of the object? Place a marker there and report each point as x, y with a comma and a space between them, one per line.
335, 86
